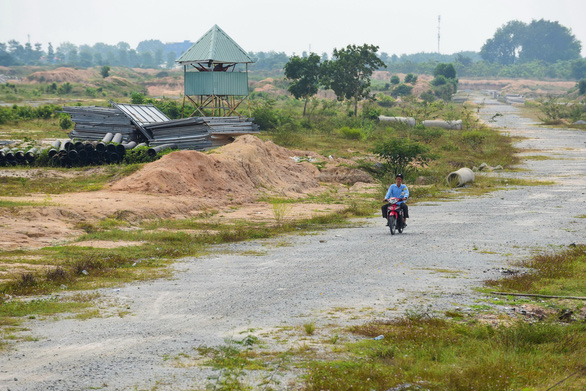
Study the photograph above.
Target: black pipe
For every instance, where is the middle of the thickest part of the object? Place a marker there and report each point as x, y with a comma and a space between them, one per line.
19, 155
120, 150
67, 144
54, 148
72, 155
30, 155
78, 146
10, 156
111, 148
82, 155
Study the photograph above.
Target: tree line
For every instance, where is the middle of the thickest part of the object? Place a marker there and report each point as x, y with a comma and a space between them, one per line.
540, 49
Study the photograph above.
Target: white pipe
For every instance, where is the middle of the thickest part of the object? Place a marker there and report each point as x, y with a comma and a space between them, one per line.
405, 120
461, 177
440, 123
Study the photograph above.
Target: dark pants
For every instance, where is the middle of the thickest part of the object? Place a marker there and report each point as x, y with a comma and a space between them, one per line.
403, 206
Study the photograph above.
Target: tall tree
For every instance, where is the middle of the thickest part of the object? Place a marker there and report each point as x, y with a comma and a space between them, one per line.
50, 53
549, 42
349, 71
171, 57
540, 40
504, 46
304, 73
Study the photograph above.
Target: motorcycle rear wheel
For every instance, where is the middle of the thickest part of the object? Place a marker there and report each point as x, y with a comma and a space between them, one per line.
400, 225
392, 222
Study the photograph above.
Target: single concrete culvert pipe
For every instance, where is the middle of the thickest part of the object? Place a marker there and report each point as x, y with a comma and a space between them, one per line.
440, 123
405, 120
461, 177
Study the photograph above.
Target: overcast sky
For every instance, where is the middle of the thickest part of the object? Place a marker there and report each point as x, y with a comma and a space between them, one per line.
292, 26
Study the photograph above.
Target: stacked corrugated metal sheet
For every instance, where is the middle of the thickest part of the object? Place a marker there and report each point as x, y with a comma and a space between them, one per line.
224, 129
93, 123
146, 123
187, 133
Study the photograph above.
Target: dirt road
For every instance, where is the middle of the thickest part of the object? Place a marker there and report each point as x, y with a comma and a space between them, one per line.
341, 277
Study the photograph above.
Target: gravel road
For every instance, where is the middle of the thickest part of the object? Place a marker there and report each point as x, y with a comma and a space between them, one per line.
448, 249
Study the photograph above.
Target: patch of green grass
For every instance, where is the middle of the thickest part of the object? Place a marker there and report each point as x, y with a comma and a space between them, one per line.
35, 129
538, 157
309, 328
446, 355
80, 181
19, 204
562, 274
14, 312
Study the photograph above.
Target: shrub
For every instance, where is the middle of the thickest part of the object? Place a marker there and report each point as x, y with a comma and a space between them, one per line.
439, 81
385, 100
473, 138
446, 70
138, 155
351, 133
65, 122
428, 96
286, 136
410, 78
64, 89
395, 80
582, 86
402, 90
401, 153
265, 116
137, 98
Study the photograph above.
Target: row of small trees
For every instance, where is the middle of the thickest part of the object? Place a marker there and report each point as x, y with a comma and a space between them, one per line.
347, 73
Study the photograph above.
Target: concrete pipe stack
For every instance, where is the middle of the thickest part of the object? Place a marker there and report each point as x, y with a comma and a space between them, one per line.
109, 150
18, 156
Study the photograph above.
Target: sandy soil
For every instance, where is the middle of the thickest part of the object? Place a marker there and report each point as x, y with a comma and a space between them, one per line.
180, 185
335, 278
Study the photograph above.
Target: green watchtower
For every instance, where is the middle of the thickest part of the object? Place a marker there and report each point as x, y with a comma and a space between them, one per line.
215, 81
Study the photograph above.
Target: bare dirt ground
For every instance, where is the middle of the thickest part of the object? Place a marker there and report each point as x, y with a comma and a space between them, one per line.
181, 185
336, 278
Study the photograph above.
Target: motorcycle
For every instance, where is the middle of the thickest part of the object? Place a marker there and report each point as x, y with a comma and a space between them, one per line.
395, 216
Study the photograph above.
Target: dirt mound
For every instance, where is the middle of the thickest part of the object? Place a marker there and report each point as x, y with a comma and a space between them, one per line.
165, 86
62, 75
238, 171
518, 86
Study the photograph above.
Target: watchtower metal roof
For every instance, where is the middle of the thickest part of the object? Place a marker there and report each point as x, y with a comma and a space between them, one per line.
217, 47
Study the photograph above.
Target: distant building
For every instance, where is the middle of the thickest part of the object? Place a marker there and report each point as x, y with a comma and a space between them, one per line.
177, 47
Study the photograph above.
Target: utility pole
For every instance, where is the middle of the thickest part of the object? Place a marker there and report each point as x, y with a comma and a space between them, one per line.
439, 18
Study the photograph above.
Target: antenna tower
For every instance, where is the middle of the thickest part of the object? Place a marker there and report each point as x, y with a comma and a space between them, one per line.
439, 18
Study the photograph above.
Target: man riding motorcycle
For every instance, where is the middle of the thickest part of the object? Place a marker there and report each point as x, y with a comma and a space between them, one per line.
400, 191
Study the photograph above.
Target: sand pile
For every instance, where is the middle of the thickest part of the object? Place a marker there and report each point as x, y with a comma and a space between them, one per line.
239, 171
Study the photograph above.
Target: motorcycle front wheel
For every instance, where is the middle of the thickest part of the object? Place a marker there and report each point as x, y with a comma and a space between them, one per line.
392, 222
